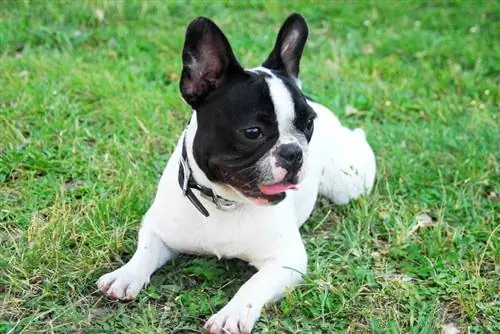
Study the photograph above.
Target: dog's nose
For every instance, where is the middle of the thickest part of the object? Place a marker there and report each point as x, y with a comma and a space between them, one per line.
291, 156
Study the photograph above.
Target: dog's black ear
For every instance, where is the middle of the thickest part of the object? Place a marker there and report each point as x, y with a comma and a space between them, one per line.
289, 45
208, 61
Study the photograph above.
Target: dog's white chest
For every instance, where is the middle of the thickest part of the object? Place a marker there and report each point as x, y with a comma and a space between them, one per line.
246, 233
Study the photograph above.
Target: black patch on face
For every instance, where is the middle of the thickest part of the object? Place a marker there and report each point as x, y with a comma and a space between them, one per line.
229, 100
220, 147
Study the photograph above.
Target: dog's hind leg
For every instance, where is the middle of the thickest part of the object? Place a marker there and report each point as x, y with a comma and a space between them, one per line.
348, 162
151, 253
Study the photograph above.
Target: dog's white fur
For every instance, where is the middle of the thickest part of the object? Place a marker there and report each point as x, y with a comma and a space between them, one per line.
339, 165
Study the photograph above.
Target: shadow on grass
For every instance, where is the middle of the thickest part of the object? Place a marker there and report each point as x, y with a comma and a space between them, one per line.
189, 288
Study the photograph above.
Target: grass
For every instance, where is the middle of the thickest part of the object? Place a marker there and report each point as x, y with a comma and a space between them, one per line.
90, 110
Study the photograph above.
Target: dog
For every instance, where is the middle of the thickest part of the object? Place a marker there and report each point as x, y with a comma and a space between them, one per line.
246, 172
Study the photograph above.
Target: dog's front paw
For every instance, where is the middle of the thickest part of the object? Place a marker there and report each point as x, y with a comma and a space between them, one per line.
233, 318
121, 284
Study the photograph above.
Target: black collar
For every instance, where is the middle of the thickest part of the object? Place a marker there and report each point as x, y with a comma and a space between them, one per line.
188, 183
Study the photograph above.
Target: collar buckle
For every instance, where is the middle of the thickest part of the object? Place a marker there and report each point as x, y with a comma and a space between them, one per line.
188, 183
220, 202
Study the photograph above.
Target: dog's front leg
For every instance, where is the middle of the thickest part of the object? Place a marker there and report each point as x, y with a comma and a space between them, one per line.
274, 278
151, 253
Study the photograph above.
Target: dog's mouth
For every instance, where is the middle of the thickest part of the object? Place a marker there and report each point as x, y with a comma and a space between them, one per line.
272, 193
265, 193
277, 188
268, 194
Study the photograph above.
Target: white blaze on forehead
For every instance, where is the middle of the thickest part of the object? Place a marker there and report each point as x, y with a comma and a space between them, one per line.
283, 104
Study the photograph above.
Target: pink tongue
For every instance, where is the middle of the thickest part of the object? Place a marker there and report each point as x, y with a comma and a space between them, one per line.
277, 188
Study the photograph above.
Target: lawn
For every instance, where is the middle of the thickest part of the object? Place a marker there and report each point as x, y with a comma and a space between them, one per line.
90, 111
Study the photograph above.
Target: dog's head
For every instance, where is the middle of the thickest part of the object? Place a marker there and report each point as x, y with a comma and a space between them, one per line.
254, 126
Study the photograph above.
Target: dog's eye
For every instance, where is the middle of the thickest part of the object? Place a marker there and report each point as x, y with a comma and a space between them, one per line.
310, 124
253, 133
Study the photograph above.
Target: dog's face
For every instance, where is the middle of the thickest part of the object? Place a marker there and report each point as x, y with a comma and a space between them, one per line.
254, 126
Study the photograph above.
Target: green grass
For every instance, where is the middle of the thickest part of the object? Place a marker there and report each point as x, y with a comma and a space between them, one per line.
90, 111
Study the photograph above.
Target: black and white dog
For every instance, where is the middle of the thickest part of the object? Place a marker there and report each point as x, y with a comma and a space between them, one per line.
246, 172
